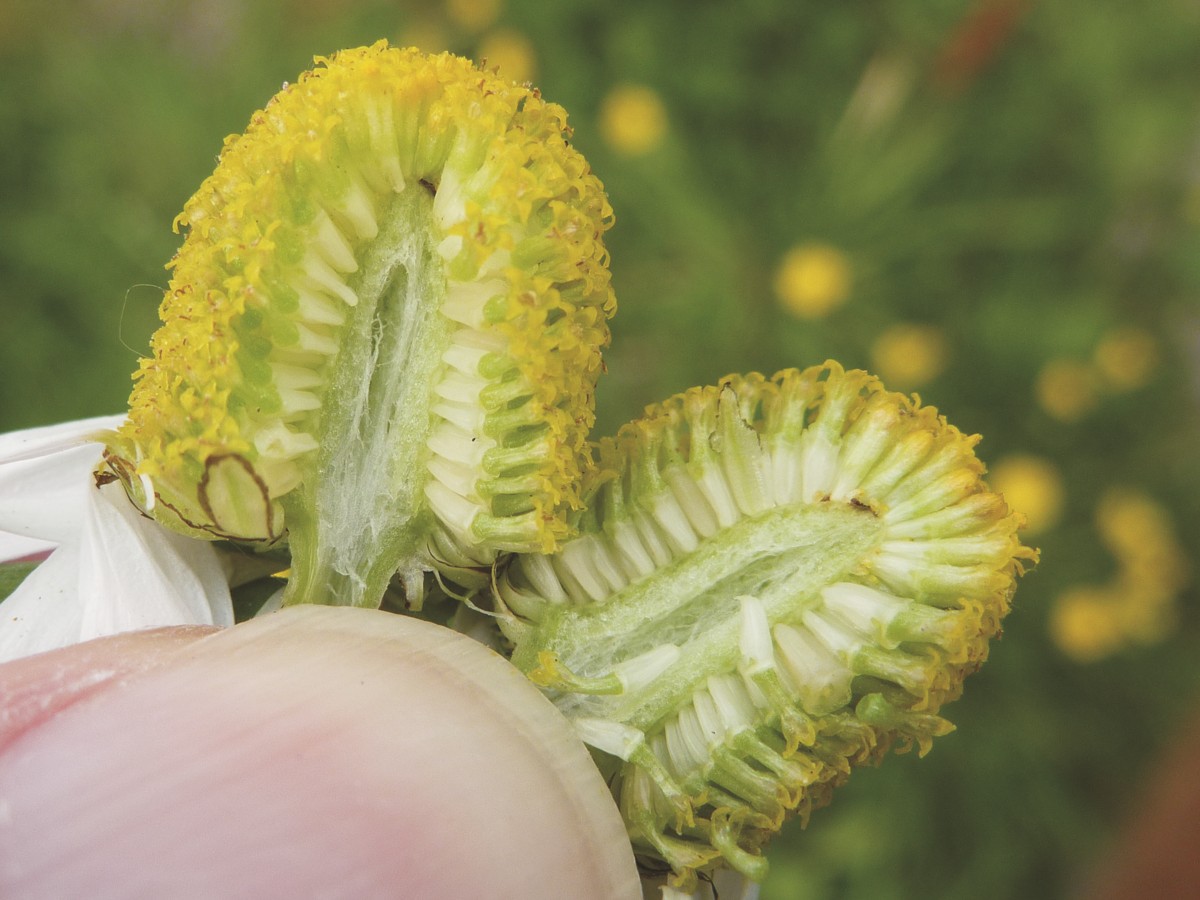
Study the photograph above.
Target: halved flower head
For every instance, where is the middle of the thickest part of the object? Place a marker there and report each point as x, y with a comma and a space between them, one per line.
774, 581
383, 331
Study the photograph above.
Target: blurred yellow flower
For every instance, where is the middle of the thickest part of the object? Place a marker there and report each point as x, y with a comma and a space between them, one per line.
633, 119
426, 35
1127, 358
1127, 518
511, 53
1146, 618
1085, 625
474, 15
1066, 389
1191, 203
1138, 531
813, 279
1139, 605
909, 356
1030, 485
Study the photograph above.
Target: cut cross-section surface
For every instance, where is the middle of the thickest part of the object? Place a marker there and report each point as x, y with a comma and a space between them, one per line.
774, 581
383, 331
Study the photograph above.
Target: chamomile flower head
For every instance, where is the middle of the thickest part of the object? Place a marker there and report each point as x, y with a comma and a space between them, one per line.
775, 580
383, 330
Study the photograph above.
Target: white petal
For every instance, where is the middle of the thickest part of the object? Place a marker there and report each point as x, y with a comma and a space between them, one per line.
34, 442
16, 546
44, 473
732, 886
205, 565
116, 569
135, 574
44, 497
726, 884
44, 612
274, 603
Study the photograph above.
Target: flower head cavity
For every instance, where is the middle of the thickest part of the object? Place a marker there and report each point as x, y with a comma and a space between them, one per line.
775, 580
383, 330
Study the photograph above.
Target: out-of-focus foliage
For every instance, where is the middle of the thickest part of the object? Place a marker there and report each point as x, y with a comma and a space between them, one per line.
993, 201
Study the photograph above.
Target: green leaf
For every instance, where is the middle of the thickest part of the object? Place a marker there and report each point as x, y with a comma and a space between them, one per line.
12, 574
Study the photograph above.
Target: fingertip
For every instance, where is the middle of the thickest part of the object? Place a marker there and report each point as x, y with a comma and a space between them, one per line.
36, 688
315, 751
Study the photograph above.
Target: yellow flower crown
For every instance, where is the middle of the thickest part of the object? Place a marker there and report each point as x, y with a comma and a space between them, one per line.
384, 328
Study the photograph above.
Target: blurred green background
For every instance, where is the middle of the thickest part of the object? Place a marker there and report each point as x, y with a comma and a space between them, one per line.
992, 202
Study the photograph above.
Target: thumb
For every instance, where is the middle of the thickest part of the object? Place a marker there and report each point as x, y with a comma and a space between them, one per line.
314, 752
